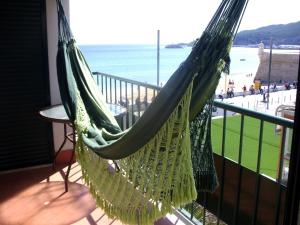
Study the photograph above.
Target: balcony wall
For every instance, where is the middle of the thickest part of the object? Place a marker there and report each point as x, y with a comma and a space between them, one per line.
52, 37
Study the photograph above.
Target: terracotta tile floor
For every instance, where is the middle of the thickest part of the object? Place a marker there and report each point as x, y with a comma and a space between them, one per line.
37, 197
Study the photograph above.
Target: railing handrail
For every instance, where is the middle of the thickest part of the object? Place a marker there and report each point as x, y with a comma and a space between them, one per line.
263, 116
129, 81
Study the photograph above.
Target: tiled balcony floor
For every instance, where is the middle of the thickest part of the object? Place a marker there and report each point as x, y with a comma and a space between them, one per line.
37, 197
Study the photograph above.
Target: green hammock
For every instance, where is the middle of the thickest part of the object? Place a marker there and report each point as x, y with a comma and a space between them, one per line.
139, 174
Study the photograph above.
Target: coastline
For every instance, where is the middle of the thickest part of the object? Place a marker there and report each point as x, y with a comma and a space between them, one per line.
137, 62
279, 47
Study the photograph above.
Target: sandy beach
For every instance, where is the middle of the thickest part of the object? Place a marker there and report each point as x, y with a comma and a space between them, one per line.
239, 81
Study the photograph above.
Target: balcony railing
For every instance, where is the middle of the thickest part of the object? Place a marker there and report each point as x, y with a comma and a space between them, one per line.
251, 153
134, 96
247, 193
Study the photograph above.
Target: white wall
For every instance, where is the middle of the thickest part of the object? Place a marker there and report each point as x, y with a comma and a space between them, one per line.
52, 36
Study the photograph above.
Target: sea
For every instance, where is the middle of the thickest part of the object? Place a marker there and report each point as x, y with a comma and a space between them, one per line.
139, 62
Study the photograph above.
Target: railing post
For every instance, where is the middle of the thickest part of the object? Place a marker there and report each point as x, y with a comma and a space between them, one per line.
257, 189
106, 98
279, 179
115, 91
223, 168
237, 202
132, 105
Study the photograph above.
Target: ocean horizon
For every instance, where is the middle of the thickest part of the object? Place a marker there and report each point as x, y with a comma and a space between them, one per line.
139, 62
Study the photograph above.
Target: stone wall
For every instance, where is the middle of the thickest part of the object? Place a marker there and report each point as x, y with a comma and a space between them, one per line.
284, 66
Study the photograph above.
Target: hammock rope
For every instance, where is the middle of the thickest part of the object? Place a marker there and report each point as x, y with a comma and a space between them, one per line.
152, 169
204, 172
212, 49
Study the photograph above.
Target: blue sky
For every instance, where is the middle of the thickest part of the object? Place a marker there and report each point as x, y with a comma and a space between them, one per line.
137, 21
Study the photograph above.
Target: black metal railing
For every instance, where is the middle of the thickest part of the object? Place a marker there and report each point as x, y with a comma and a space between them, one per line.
132, 95
247, 194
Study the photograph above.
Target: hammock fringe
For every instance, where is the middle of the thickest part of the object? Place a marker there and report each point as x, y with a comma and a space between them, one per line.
152, 180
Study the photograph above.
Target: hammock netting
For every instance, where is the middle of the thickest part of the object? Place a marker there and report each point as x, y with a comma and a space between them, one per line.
138, 175
204, 172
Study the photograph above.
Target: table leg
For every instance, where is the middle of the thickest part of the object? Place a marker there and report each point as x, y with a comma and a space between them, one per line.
71, 160
61, 146
68, 171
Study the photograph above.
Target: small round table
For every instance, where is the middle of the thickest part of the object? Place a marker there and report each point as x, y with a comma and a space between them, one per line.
57, 114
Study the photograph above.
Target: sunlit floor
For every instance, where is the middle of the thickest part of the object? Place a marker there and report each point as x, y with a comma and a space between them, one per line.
37, 197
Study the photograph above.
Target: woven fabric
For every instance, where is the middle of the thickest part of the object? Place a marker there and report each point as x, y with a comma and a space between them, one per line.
202, 154
150, 181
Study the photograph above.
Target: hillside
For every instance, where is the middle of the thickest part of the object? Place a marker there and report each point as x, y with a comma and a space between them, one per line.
282, 34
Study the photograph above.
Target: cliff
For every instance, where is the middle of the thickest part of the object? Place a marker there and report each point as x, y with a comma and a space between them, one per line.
282, 34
